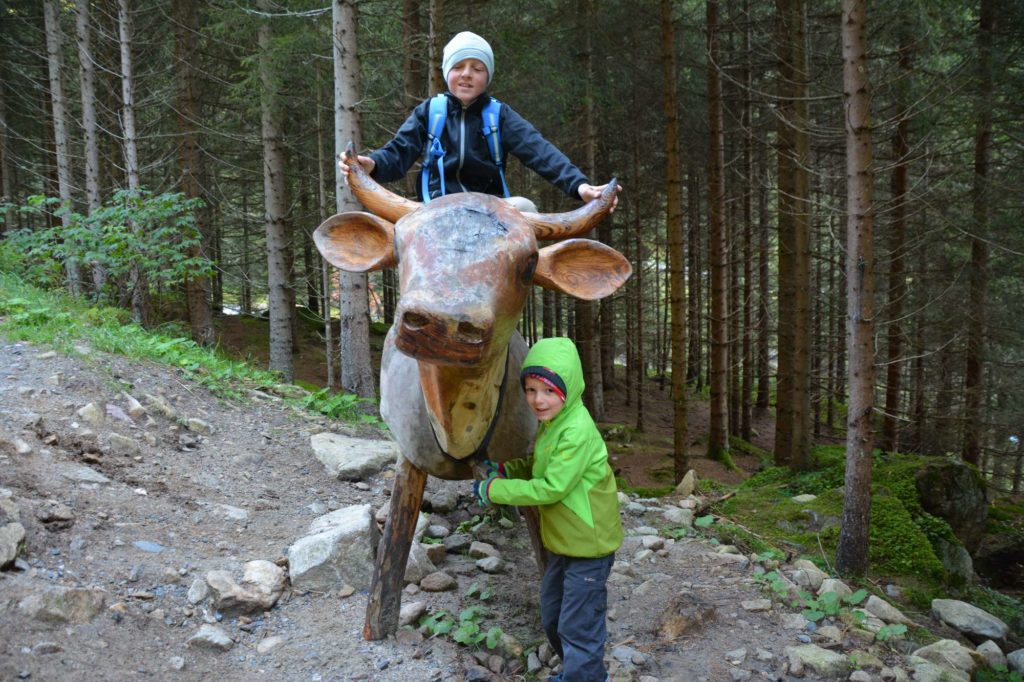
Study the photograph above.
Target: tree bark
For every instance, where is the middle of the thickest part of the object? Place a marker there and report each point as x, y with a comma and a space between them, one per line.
974, 375
6, 168
90, 129
588, 335
852, 550
436, 47
59, 105
897, 260
280, 289
763, 288
674, 229
190, 158
353, 303
718, 434
792, 432
694, 375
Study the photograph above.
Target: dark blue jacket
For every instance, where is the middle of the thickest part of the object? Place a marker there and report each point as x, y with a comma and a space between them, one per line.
468, 166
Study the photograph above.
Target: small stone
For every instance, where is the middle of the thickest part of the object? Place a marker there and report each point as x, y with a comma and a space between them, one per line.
269, 644
148, 546
736, 656
479, 550
176, 663
756, 605
439, 581
491, 564
804, 499
44, 648
533, 664
211, 637
860, 676
411, 613
346, 591
198, 426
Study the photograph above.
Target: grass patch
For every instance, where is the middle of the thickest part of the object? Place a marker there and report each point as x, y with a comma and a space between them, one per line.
59, 321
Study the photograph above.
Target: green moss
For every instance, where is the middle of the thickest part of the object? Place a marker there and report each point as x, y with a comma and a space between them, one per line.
722, 455
1007, 608
740, 445
898, 546
379, 328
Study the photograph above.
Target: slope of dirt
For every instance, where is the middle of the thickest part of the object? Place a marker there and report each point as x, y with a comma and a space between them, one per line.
177, 503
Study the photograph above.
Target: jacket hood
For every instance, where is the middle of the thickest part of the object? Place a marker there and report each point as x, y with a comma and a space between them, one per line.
559, 355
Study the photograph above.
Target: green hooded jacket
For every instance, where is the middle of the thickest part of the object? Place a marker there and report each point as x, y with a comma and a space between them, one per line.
568, 477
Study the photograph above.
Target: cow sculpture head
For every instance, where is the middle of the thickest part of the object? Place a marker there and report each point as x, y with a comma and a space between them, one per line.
466, 264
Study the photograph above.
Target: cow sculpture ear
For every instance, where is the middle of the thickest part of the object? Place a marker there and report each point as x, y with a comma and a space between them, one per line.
582, 268
356, 241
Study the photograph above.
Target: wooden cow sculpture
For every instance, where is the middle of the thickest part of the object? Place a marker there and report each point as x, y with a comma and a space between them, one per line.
450, 370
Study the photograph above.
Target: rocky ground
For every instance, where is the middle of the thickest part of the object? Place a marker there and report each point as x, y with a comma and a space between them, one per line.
163, 533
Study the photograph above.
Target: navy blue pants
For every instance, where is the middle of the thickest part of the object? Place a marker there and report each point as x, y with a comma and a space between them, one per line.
573, 606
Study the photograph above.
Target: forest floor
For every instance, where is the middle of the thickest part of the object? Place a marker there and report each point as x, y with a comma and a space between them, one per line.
136, 509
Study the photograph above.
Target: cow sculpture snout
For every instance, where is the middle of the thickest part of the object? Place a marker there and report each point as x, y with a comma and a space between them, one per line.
431, 330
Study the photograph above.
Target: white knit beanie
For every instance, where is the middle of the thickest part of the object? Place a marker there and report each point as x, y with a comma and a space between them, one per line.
467, 45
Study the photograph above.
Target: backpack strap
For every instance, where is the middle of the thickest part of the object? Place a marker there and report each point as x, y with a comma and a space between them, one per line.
493, 134
434, 153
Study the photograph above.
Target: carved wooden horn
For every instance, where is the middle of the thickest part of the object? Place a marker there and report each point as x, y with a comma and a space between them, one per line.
370, 194
574, 223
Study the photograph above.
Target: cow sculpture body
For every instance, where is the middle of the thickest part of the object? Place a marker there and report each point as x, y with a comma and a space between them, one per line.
450, 370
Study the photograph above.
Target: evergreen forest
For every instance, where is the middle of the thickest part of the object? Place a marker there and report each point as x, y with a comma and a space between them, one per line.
823, 203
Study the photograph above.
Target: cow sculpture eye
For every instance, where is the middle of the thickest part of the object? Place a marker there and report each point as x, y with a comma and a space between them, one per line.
528, 269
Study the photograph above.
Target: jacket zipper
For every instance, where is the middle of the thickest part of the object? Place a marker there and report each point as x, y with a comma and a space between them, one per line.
462, 147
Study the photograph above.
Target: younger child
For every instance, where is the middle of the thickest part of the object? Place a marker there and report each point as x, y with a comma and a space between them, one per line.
569, 479
468, 66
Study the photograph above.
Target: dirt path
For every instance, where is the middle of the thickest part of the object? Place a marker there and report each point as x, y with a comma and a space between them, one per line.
139, 507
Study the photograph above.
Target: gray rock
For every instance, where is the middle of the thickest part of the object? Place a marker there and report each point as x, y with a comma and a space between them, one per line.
435, 553
738, 674
261, 586
45, 648
834, 585
79, 473
93, 414
950, 654
1015, 660
736, 656
232, 512
59, 604
882, 609
458, 542
756, 605
419, 564
627, 654
653, 542
491, 564
211, 637
21, 447
123, 445
340, 550
196, 425
442, 501
894, 675
860, 676
135, 408
822, 661
479, 550
533, 663
176, 663
411, 613
198, 591
350, 459
807, 575
955, 492
437, 531
644, 530
439, 581
969, 619
12, 542
688, 484
956, 559
161, 406
804, 499
678, 517
991, 652
268, 644
926, 671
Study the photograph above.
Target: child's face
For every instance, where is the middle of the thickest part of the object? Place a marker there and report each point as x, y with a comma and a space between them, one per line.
467, 80
542, 399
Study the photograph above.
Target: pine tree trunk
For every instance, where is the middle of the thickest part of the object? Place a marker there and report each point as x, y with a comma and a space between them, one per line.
763, 288
718, 433
90, 129
59, 105
6, 168
852, 550
694, 281
746, 350
897, 278
190, 158
413, 75
354, 307
674, 227
974, 374
588, 337
792, 433
325, 268
280, 289
436, 47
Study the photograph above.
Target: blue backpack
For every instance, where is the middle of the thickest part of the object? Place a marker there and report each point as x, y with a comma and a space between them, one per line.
434, 153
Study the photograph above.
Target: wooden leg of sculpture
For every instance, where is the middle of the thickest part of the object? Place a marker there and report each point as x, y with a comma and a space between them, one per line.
532, 517
393, 552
